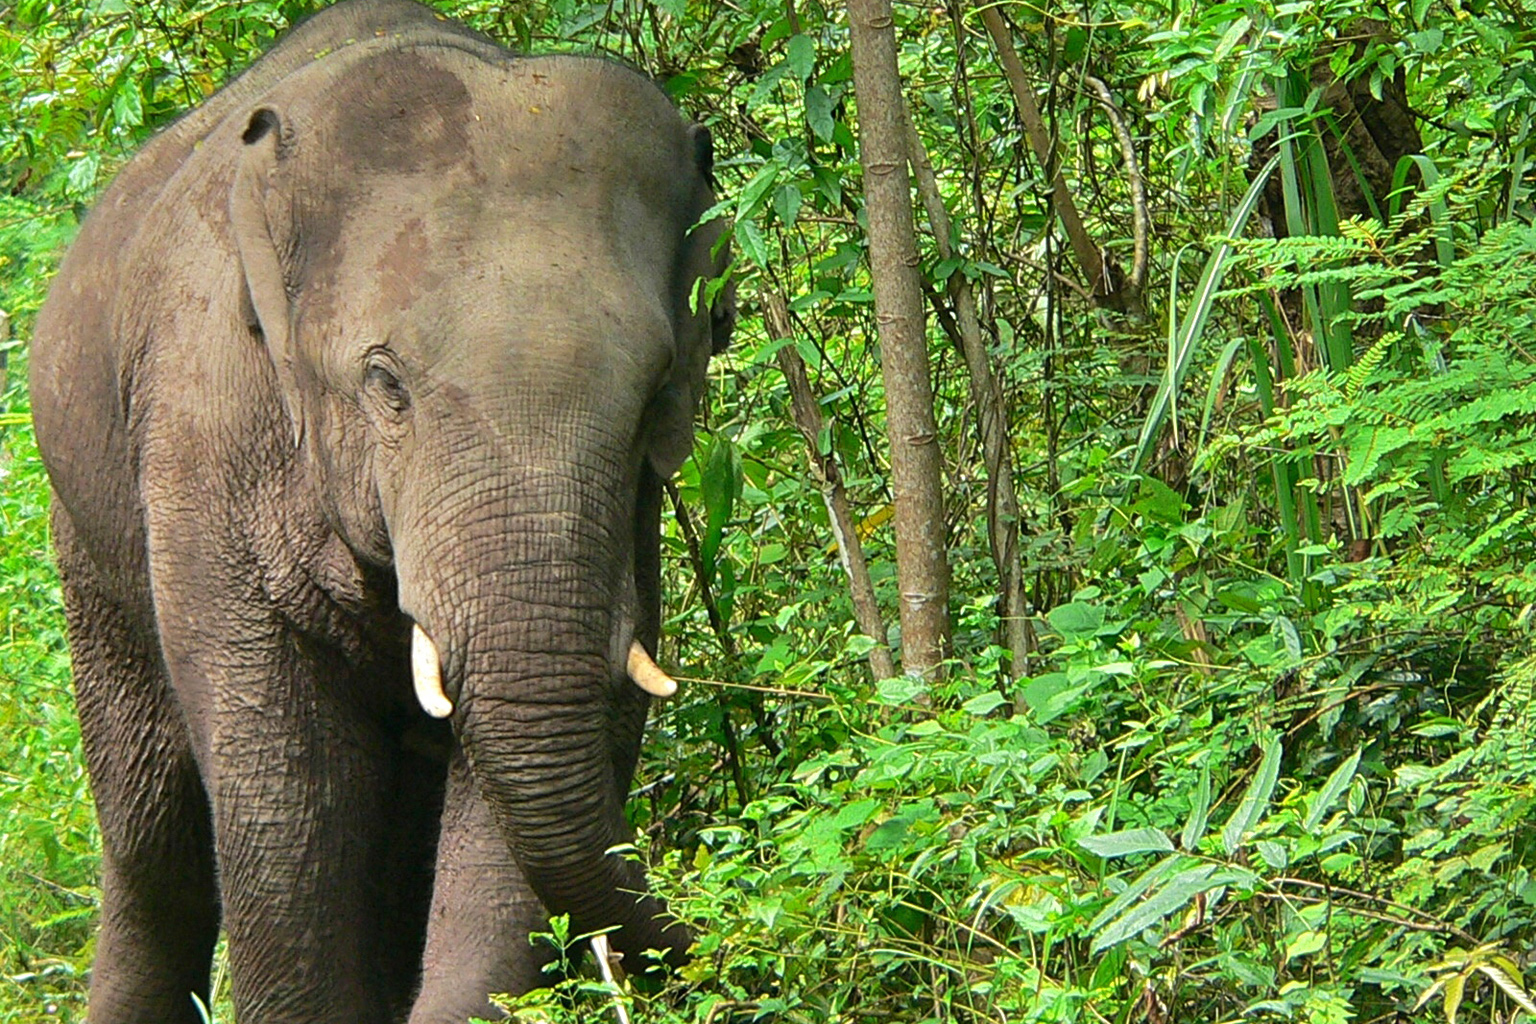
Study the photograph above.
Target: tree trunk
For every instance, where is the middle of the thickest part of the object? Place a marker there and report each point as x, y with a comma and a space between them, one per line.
922, 571
1002, 501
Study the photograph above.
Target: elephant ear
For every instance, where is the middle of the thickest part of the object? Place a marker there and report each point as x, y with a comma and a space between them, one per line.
263, 149
722, 311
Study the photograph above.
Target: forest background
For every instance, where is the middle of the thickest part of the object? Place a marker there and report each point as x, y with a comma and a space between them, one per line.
1226, 320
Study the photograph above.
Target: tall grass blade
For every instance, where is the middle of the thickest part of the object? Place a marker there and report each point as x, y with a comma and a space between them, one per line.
1184, 338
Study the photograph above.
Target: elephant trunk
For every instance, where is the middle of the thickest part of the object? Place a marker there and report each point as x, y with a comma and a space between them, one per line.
528, 613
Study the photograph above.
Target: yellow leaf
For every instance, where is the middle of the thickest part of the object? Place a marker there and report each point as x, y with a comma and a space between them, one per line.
1454, 989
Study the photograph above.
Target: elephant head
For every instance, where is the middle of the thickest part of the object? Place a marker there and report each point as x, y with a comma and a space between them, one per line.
478, 285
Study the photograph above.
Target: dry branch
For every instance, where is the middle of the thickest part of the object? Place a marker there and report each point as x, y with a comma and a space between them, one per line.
1003, 518
1109, 290
850, 552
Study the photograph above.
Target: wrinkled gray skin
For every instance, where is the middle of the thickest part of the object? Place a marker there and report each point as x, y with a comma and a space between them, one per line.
393, 330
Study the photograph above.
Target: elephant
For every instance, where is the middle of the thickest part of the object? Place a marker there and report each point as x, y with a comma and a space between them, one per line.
357, 392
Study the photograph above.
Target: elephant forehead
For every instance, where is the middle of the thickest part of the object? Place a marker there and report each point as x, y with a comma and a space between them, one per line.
511, 259
403, 112
534, 124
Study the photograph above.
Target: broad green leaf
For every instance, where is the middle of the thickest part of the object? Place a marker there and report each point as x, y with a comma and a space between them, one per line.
1326, 797
755, 191
1127, 842
750, 238
855, 814
1143, 883
984, 703
1184, 337
1076, 619
719, 482
1305, 943
1255, 799
1290, 639
818, 112
1504, 976
1049, 695
786, 203
900, 689
82, 174
1230, 38
128, 104
1455, 988
1161, 905
801, 56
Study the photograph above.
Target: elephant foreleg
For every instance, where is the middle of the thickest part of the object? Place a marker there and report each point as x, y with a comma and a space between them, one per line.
482, 912
159, 901
298, 785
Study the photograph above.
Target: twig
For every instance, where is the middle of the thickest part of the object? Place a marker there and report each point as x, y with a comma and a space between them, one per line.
605, 961
1003, 517
1140, 219
1435, 923
850, 552
1088, 254
777, 691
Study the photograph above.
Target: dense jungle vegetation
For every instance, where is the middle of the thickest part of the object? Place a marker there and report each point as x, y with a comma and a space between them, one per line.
1230, 315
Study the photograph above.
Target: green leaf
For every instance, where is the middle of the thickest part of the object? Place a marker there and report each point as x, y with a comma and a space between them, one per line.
818, 112
750, 238
1194, 828
1504, 976
786, 203
1142, 884
1455, 987
755, 191
1184, 338
128, 105
1051, 694
719, 483
984, 703
82, 174
801, 56
855, 814
1076, 619
1156, 500
1326, 797
1255, 799
1305, 943
901, 689
1167, 901
1128, 841
888, 834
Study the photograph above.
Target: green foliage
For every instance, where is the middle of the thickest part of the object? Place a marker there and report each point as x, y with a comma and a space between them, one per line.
1272, 756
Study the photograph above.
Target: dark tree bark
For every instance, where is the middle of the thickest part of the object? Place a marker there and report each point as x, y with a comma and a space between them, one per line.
921, 568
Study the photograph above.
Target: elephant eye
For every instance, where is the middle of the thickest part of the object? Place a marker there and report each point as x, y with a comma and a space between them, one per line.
381, 379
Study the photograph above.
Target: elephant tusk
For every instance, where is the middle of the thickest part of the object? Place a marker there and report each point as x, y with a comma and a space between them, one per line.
427, 675
647, 675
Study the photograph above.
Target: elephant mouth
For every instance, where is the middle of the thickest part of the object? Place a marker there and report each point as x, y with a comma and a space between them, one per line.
427, 674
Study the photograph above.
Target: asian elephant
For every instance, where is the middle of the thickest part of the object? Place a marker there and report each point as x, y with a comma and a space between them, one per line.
357, 391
